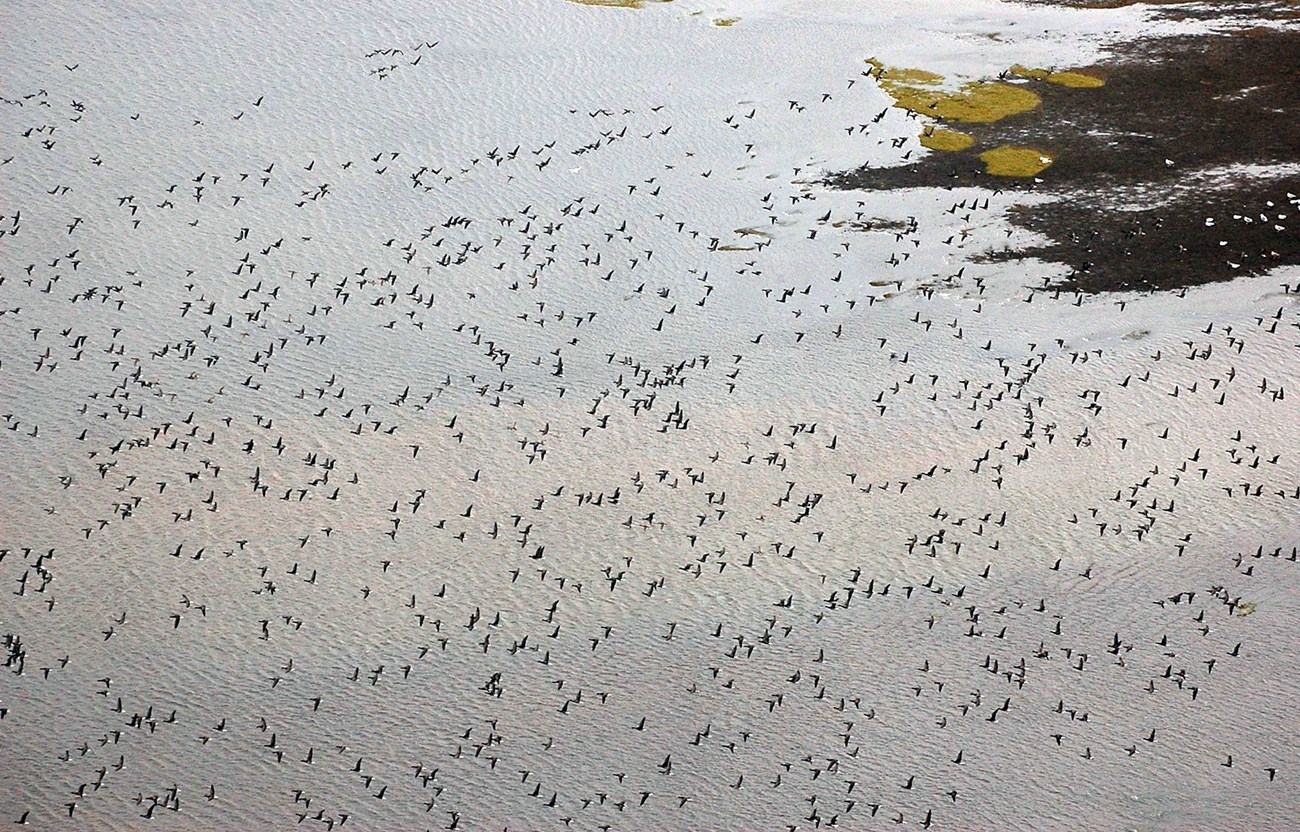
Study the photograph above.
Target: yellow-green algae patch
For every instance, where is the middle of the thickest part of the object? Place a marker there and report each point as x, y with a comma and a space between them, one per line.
1009, 160
1064, 78
904, 75
619, 4
1027, 72
976, 101
1077, 80
949, 140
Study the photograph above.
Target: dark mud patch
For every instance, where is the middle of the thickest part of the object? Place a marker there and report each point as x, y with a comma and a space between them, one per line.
1184, 130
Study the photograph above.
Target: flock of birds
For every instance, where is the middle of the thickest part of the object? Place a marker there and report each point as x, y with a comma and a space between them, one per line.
398, 488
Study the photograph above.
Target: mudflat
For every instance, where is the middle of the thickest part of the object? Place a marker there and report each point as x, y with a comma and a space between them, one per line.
1179, 167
